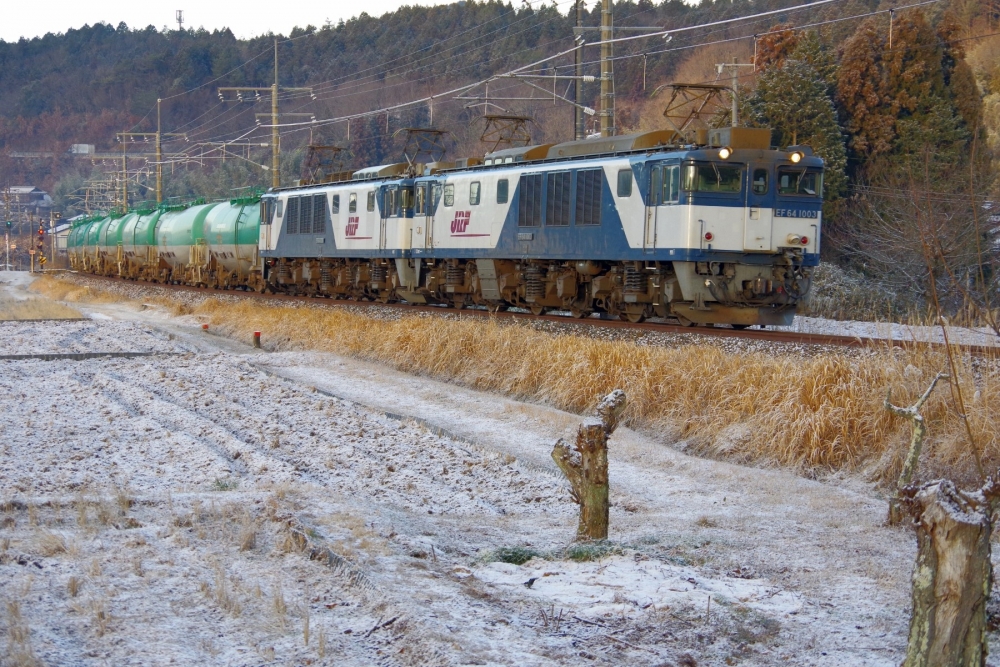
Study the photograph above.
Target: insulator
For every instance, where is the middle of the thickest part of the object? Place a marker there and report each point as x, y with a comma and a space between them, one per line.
635, 281
454, 275
533, 285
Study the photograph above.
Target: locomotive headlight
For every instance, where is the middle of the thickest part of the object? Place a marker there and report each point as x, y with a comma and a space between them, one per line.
794, 239
795, 157
725, 152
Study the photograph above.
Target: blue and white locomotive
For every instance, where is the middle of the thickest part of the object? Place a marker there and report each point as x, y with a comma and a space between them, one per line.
630, 226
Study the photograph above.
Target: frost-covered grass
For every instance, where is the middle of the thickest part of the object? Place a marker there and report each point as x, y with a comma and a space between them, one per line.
35, 309
843, 294
149, 513
816, 414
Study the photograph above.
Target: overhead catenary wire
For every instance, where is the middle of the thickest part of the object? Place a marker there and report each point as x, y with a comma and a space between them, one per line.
806, 26
617, 40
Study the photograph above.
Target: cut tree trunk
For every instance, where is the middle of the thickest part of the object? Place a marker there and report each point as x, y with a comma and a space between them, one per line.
953, 576
586, 466
916, 445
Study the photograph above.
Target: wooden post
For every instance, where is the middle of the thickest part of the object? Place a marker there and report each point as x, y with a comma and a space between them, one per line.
586, 466
953, 575
916, 445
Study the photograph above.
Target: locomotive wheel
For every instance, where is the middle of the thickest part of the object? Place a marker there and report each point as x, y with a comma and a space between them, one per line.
496, 306
634, 318
683, 321
536, 310
579, 313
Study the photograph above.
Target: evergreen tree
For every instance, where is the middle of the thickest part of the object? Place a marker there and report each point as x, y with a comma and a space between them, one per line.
774, 46
792, 100
919, 91
862, 93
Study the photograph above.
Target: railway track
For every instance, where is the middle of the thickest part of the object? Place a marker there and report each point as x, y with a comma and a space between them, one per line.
769, 335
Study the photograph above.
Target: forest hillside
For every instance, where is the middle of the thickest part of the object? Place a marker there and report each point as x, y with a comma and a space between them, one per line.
895, 101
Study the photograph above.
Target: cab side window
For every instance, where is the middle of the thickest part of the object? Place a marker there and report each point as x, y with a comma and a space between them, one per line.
352, 206
665, 184
421, 200
624, 182
371, 201
760, 181
502, 191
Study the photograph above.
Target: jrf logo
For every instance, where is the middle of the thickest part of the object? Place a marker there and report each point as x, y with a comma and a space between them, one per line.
352, 225
461, 222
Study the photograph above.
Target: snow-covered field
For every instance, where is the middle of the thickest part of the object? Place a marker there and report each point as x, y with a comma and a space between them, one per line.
230, 507
891, 331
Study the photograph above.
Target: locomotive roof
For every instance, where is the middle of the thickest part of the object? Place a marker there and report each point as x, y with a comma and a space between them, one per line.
624, 143
741, 141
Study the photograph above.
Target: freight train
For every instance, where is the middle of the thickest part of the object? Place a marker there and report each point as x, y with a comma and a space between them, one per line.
723, 231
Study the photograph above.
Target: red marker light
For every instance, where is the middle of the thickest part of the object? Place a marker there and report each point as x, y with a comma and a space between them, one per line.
709, 236
805, 240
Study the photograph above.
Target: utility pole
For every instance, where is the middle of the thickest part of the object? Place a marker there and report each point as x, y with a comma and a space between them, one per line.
274, 89
607, 76
124, 176
735, 66
53, 218
125, 137
275, 139
159, 156
7, 226
180, 19
579, 129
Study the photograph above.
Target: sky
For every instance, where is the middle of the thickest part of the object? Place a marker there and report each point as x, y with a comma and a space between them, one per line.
244, 17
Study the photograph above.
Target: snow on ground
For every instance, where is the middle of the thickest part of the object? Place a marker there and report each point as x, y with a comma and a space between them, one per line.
15, 283
890, 331
84, 336
226, 506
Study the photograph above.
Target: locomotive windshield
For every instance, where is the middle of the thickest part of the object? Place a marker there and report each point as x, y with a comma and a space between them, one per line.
801, 182
712, 177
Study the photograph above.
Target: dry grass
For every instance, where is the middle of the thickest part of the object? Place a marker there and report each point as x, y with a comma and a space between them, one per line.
817, 414
51, 544
64, 289
18, 651
73, 586
59, 289
35, 309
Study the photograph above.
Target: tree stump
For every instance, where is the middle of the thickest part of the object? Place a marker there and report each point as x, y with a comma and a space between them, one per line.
916, 445
586, 466
953, 576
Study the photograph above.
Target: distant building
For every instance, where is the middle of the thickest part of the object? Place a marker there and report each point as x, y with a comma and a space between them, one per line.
28, 199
